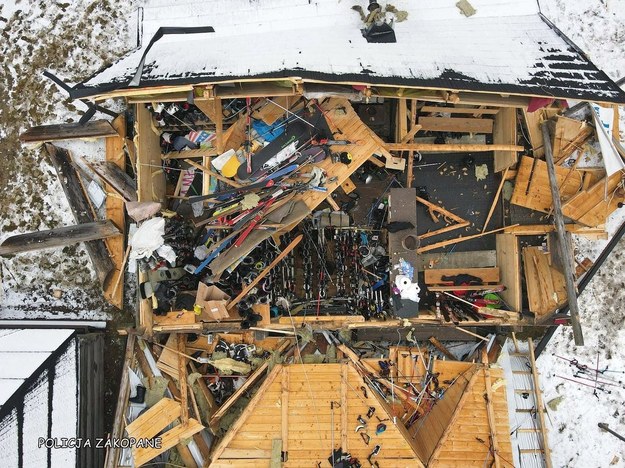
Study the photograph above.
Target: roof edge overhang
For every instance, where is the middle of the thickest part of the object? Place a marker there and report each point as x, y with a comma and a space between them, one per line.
305, 76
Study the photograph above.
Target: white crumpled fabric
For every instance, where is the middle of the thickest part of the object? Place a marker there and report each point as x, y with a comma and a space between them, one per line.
147, 238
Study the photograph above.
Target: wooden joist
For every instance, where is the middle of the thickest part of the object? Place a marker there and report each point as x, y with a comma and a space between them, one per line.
450, 148
70, 131
58, 237
458, 110
456, 124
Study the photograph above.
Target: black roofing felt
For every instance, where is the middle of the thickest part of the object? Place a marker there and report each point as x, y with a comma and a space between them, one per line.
563, 75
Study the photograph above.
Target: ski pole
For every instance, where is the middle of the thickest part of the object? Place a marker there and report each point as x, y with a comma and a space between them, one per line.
583, 383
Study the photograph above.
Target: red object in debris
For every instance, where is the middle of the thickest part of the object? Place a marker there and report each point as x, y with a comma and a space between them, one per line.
561, 321
538, 103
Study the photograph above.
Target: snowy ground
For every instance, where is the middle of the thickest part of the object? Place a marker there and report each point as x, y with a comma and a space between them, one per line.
71, 39
76, 39
598, 27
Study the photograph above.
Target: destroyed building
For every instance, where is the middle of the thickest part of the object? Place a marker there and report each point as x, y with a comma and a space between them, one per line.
337, 219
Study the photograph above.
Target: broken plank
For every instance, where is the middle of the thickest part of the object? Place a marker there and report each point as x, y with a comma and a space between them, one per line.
457, 240
456, 124
169, 439
70, 182
58, 237
495, 200
118, 180
532, 123
69, 131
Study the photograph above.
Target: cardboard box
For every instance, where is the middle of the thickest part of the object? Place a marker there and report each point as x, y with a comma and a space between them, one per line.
213, 302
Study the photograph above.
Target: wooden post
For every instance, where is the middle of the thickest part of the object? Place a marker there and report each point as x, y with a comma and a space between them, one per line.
285, 410
182, 378
344, 421
540, 409
563, 245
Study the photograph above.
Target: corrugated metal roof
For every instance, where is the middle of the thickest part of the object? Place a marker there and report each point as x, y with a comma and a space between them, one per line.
505, 47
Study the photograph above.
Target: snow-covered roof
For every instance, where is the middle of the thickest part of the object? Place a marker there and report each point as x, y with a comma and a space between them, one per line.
21, 354
506, 47
47, 403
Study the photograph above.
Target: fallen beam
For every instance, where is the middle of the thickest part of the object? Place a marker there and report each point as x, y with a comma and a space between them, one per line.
114, 176
563, 245
69, 131
59, 237
450, 148
79, 204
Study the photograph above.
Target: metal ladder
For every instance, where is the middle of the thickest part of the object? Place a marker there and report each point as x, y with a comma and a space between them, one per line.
527, 419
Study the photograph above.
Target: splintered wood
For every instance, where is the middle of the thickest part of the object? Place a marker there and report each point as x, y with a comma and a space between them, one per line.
546, 288
588, 206
147, 426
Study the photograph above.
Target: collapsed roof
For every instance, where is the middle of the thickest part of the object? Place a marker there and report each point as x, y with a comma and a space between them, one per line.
505, 47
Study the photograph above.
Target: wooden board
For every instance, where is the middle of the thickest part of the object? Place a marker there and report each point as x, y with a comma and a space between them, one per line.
532, 189
458, 110
52, 238
488, 275
509, 264
271, 112
68, 131
456, 124
505, 132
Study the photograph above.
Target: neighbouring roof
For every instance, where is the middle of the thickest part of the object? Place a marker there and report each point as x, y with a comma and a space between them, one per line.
45, 403
506, 47
22, 352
